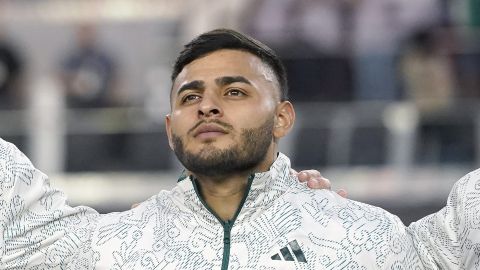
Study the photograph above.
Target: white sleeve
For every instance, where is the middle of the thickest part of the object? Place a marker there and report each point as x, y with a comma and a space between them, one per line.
450, 238
38, 230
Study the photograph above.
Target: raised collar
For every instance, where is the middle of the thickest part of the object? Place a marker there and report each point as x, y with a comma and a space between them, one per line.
280, 167
266, 187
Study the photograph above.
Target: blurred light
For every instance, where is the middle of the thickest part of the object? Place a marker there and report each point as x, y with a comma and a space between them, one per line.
89, 10
401, 117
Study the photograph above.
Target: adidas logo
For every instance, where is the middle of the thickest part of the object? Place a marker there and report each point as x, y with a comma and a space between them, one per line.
286, 255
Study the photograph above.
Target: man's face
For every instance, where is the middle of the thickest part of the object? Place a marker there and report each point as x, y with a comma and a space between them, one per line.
223, 113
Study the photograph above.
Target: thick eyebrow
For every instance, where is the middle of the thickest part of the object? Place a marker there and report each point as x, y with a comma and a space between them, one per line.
226, 80
193, 85
222, 81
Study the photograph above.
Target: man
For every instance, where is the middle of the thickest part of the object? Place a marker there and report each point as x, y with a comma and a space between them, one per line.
238, 208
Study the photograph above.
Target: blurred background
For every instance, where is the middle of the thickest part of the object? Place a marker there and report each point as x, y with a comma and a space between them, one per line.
386, 91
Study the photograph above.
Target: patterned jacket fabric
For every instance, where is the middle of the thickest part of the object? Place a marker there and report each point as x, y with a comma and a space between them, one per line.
281, 225
38, 230
174, 230
450, 238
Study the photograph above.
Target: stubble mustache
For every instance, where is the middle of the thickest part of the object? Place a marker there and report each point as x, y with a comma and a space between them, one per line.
213, 121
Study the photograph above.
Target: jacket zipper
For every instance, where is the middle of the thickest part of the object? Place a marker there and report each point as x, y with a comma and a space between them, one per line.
227, 225
227, 229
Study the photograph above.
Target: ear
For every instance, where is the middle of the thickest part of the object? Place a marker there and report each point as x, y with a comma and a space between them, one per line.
168, 128
284, 119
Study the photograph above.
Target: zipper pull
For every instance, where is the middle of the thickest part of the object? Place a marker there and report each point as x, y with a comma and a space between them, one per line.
226, 232
226, 240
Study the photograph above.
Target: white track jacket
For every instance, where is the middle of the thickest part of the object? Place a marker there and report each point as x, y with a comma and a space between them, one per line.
280, 224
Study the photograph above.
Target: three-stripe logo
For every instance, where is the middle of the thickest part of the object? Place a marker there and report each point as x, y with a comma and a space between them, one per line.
286, 255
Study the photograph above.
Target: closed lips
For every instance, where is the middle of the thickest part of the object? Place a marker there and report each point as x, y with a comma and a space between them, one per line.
209, 128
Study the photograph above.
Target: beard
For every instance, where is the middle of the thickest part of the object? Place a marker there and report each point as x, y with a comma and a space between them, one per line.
249, 151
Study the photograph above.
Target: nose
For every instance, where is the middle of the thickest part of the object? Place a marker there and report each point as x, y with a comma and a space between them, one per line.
209, 107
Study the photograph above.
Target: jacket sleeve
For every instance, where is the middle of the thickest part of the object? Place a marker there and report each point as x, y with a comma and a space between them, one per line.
450, 238
38, 229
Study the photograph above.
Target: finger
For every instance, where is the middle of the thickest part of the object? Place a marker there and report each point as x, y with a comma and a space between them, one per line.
134, 205
312, 173
303, 176
319, 183
306, 175
342, 192
293, 172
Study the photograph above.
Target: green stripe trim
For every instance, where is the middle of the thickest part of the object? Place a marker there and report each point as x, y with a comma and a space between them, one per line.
227, 225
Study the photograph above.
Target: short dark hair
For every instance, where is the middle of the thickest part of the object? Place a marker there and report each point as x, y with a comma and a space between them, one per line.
219, 39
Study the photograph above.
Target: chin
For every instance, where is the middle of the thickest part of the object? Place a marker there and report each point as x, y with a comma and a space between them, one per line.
214, 144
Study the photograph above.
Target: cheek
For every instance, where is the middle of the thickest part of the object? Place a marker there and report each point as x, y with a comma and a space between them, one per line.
178, 113
264, 109
251, 117
180, 122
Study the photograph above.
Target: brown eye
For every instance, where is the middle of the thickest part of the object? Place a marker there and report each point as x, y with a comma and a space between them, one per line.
235, 92
190, 98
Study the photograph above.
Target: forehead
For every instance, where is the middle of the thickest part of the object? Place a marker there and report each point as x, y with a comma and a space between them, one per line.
225, 62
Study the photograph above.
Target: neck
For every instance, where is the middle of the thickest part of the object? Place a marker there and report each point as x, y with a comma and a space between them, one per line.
224, 194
